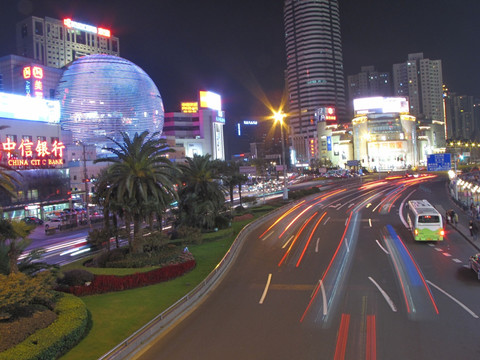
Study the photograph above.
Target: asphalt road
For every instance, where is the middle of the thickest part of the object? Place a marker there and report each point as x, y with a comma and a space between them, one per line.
339, 277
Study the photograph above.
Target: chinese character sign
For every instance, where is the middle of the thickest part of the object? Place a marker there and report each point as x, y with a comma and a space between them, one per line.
29, 154
35, 74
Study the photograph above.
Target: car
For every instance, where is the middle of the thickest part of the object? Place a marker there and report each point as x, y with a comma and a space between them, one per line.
53, 224
32, 220
475, 264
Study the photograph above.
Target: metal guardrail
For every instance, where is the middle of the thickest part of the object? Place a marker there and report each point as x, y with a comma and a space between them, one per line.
135, 342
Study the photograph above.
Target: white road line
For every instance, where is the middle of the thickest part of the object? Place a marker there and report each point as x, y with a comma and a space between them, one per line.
385, 295
324, 297
370, 222
451, 297
438, 249
285, 245
316, 246
458, 261
266, 237
266, 289
446, 254
346, 220
430, 244
326, 221
381, 247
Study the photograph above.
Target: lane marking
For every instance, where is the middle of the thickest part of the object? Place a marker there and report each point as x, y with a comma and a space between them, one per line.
346, 220
457, 261
370, 222
316, 246
385, 295
438, 249
290, 239
446, 254
266, 237
381, 247
452, 298
266, 289
324, 297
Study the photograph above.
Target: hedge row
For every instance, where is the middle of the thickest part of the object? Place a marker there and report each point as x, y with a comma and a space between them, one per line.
107, 283
56, 339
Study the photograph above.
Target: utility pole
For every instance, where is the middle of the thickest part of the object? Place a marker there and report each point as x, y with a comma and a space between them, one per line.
86, 180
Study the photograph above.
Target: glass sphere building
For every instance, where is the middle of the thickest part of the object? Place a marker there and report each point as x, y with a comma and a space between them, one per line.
104, 95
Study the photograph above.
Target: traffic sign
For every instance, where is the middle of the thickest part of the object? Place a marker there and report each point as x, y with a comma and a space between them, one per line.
439, 162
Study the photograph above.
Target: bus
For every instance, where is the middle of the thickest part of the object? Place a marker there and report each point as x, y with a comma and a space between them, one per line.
425, 221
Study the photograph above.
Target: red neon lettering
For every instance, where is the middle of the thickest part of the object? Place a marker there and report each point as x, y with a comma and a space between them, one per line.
27, 72
37, 72
9, 145
38, 85
26, 146
42, 149
103, 32
57, 148
67, 22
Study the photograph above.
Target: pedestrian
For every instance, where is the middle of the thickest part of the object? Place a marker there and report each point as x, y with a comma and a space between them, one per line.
455, 218
475, 231
447, 217
470, 227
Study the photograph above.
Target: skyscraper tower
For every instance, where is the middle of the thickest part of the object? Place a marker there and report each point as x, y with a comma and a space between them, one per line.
314, 72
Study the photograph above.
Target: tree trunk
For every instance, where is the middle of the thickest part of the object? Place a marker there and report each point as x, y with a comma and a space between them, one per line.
137, 235
240, 192
115, 229
106, 225
13, 257
128, 228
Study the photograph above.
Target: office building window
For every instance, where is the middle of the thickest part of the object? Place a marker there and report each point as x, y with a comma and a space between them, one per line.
38, 28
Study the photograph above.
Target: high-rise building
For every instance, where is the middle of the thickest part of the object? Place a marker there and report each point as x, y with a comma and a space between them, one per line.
56, 43
460, 117
421, 80
314, 74
368, 83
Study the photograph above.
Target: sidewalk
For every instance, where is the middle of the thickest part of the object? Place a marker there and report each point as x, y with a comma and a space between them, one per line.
462, 226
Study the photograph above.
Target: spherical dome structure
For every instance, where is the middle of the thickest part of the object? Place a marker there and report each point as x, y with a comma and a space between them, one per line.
103, 95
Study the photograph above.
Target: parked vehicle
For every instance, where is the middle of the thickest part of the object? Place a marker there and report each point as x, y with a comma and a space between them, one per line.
475, 264
32, 220
53, 224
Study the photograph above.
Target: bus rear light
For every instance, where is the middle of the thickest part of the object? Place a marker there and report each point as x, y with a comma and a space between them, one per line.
416, 232
442, 232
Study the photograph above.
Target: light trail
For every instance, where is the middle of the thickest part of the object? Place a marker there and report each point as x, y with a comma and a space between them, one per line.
341, 347
295, 239
281, 217
267, 285
295, 219
309, 239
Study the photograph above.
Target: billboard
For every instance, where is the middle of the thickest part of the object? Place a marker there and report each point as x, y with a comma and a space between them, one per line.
20, 107
327, 114
210, 100
380, 105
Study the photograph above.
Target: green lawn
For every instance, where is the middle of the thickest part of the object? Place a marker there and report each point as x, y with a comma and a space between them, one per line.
115, 316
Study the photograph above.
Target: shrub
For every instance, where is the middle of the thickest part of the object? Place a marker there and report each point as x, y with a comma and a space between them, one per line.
75, 277
189, 235
18, 290
222, 222
107, 283
249, 200
56, 339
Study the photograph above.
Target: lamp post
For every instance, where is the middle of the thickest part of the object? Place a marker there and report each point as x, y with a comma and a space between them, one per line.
85, 180
279, 116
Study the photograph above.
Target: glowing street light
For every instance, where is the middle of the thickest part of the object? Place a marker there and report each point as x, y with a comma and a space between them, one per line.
278, 116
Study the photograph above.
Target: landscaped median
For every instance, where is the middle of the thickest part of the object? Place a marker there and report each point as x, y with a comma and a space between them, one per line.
57, 338
117, 315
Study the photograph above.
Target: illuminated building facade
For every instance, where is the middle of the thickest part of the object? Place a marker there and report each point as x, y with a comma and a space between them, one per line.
31, 143
56, 43
102, 96
199, 127
24, 76
384, 135
314, 73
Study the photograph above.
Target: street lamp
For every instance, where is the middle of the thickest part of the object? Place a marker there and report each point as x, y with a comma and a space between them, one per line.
85, 180
278, 116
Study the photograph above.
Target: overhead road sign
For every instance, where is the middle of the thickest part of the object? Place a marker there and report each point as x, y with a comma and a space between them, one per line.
439, 162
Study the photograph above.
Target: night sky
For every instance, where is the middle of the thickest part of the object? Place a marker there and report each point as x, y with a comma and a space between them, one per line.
236, 48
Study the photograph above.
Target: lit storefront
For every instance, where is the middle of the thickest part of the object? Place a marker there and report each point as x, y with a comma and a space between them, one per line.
384, 135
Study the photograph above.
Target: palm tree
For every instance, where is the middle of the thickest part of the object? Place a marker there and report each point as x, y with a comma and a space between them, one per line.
140, 174
231, 176
201, 196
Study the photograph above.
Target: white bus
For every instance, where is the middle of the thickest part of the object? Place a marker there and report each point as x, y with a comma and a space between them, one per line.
425, 221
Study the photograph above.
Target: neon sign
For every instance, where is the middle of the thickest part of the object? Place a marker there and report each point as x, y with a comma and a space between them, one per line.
33, 155
210, 100
189, 107
35, 74
89, 28
20, 107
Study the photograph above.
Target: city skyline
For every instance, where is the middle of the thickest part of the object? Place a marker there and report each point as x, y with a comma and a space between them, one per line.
237, 48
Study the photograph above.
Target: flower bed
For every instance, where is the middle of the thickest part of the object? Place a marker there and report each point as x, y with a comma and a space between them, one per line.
108, 283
